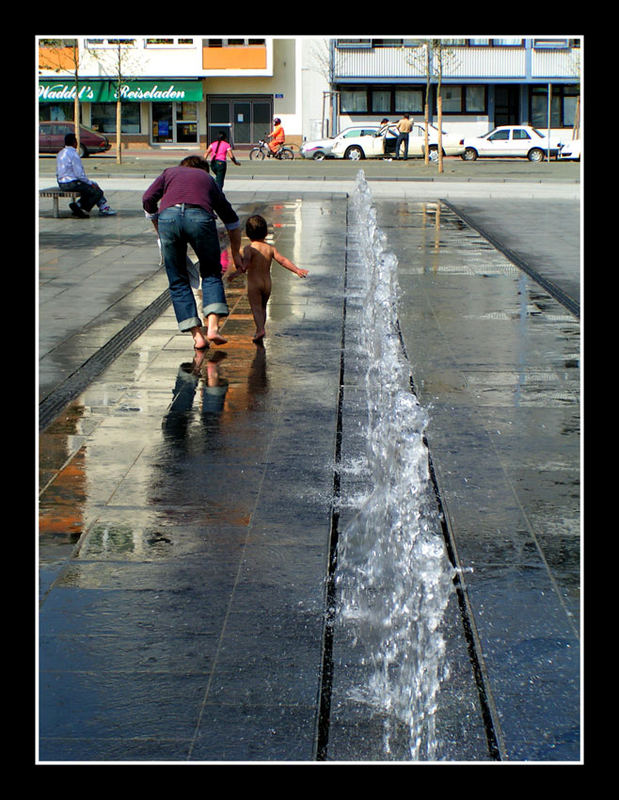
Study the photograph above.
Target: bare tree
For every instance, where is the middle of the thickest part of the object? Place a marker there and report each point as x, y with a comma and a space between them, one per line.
61, 55
432, 57
118, 61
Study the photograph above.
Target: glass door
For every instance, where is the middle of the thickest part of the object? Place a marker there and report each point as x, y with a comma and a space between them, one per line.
162, 127
174, 123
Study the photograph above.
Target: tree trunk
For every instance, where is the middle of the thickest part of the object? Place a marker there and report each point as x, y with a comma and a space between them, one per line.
118, 133
439, 103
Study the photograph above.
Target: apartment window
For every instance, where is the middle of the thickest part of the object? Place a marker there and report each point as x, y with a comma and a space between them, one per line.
464, 99
507, 42
172, 41
475, 99
109, 42
452, 99
409, 100
354, 101
354, 43
563, 101
235, 42
381, 101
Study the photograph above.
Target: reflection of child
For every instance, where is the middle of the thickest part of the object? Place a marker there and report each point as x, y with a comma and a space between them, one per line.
257, 258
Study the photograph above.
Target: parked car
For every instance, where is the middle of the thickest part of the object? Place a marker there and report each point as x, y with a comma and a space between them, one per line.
365, 141
509, 141
570, 150
51, 138
318, 149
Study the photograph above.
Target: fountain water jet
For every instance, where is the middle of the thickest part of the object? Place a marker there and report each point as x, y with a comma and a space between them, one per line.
393, 578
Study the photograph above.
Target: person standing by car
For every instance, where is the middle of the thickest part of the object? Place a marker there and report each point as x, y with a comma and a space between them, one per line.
70, 175
183, 201
220, 150
277, 135
404, 126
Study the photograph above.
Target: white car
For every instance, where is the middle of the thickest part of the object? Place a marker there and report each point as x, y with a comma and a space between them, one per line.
317, 149
509, 141
570, 151
365, 141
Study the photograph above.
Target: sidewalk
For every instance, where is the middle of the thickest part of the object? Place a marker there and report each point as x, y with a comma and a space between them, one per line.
187, 509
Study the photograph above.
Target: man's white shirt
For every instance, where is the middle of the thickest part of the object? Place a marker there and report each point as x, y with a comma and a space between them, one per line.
69, 166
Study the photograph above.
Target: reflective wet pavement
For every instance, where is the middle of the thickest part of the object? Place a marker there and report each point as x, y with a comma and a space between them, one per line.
186, 505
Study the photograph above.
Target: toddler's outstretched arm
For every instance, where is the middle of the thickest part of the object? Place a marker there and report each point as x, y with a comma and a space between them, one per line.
287, 263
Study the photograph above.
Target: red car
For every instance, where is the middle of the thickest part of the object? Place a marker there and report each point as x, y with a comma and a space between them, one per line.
51, 138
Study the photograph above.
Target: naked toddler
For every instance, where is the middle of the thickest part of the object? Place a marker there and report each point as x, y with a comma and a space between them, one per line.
257, 258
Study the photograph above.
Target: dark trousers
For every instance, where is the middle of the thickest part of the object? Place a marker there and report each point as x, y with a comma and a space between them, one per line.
89, 195
402, 137
219, 171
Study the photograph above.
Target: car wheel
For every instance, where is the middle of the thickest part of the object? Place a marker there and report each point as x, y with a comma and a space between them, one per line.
354, 153
318, 156
536, 154
470, 154
83, 151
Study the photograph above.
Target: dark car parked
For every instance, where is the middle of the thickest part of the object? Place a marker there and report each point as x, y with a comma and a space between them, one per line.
51, 138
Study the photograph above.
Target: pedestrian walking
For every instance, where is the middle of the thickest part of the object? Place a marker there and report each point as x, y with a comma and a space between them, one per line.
220, 150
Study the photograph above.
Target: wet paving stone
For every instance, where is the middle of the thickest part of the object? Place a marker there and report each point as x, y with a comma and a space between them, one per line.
187, 503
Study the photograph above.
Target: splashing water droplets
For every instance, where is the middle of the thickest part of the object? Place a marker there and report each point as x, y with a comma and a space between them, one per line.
394, 580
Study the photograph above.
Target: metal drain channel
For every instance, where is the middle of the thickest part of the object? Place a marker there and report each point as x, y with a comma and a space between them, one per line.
52, 405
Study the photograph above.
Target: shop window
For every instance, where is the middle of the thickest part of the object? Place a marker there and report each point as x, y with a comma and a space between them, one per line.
103, 117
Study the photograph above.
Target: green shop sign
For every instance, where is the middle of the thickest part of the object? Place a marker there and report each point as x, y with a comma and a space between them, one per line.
130, 91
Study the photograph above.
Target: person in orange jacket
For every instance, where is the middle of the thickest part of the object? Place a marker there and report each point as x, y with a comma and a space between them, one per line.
278, 137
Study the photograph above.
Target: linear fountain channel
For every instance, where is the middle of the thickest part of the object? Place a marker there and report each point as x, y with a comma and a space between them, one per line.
393, 579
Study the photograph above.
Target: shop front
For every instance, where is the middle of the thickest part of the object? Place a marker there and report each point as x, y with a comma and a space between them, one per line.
157, 112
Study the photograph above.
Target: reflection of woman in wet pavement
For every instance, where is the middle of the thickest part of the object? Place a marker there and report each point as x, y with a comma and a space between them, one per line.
178, 417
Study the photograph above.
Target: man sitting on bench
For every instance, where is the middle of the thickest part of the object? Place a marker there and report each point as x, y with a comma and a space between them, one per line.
70, 175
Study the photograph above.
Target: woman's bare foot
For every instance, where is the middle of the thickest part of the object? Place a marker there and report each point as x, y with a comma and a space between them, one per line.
258, 335
212, 334
199, 342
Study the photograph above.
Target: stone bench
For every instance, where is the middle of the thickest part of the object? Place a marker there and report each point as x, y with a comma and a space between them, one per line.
55, 192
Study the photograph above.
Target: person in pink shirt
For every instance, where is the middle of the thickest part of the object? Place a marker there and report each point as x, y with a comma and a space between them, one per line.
219, 151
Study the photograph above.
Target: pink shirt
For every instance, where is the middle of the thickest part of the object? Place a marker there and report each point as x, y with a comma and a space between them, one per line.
219, 150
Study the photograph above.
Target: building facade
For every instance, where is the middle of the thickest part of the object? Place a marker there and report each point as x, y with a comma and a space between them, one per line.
182, 91
484, 82
175, 91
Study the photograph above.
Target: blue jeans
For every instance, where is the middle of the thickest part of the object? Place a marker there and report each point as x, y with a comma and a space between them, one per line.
179, 226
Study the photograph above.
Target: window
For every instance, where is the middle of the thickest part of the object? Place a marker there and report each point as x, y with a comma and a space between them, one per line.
409, 101
109, 42
452, 98
464, 99
507, 42
381, 101
103, 118
233, 42
498, 136
520, 133
354, 101
564, 100
475, 99
172, 41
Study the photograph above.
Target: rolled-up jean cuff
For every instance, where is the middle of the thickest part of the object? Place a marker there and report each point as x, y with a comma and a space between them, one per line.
221, 309
189, 323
